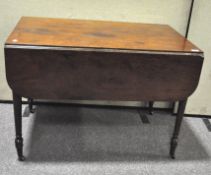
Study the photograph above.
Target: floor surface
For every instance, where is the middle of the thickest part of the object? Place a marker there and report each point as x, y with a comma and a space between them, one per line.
80, 140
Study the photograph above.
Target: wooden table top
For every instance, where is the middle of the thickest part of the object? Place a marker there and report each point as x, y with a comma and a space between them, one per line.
34, 31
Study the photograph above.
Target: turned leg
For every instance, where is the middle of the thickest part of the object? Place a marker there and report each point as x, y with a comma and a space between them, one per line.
30, 102
173, 106
151, 107
18, 125
179, 117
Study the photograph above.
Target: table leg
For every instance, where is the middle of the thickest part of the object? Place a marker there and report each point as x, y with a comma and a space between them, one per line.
173, 106
151, 107
18, 125
30, 101
178, 122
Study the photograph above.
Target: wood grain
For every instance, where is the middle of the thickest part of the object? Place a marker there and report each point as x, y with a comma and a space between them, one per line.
91, 75
98, 34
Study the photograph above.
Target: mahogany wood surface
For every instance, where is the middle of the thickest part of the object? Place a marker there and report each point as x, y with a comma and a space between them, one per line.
95, 60
91, 75
98, 34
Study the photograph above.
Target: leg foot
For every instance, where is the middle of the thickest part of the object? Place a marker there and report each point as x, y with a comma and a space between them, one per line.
19, 148
31, 109
151, 107
178, 122
22, 158
173, 147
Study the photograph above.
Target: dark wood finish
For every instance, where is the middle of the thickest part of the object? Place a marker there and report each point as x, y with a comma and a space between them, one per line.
30, 102
98, 34
97, 60
174, 140
97, 75
151, 103
173, 106
18, 125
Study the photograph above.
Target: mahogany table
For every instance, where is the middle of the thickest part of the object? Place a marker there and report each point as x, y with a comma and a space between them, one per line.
99, 60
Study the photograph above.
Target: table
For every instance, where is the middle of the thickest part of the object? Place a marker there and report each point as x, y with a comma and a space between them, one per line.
56, 59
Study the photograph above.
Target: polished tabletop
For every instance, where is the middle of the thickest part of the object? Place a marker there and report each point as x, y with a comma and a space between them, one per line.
35, 31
